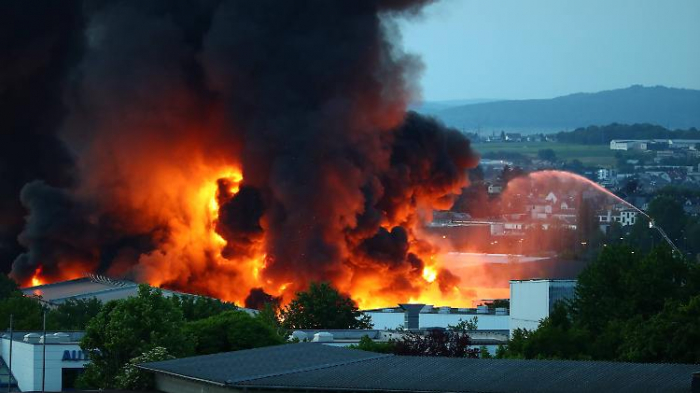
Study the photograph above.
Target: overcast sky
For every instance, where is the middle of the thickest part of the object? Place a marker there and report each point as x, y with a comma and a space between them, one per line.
545, 48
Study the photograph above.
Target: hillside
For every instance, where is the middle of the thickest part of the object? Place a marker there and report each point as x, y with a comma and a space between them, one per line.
669, 107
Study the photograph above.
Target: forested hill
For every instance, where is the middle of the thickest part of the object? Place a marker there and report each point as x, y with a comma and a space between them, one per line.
596, 135
669, 107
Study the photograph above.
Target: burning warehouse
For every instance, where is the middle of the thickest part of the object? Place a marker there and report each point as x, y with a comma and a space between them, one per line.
223, 147
233, 149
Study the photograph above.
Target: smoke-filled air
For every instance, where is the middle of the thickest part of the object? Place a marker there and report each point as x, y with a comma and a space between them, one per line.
237, 149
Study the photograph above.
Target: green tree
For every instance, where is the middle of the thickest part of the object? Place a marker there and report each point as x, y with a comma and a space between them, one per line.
74, 314
199, 307
125, 329
133, 378
555, 338
673, 335
323, 307
627, 306
436, 342
465, 325
367, 344
8, 287
27, 313
668, 214
231, 331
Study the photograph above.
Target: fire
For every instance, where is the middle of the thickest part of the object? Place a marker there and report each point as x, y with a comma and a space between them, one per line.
429, 274
36, 279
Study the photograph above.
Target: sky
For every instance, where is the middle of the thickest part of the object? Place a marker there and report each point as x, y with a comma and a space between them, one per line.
519, 49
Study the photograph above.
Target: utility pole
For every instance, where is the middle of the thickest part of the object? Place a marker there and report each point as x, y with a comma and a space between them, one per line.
9, 365
43, 359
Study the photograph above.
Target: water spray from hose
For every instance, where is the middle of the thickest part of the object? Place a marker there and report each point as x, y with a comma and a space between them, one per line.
604, 190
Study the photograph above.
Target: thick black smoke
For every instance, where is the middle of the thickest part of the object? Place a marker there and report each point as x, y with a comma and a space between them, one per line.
308, 97
40, 42
258, 299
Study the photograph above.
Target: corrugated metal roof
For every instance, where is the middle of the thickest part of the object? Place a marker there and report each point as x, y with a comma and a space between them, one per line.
316, 366
72, 288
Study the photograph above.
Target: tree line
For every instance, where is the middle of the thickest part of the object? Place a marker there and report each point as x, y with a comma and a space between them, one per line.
628, 306
601, 135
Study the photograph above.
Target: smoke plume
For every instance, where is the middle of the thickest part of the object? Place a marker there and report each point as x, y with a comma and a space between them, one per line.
228, 146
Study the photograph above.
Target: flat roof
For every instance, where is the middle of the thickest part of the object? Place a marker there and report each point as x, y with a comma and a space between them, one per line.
545, 280
308, 366
74, 336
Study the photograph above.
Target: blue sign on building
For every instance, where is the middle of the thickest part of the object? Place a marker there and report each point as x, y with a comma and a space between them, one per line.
74, 356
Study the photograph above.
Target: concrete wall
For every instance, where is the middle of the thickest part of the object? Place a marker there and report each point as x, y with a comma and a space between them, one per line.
531, 301
27, 364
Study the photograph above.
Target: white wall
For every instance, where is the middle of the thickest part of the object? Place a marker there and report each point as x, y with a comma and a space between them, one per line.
386, 320
529, 303
27, 363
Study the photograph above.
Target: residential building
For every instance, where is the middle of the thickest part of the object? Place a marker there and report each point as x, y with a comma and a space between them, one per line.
624, 216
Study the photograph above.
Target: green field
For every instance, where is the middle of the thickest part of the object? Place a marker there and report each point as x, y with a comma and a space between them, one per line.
588, 154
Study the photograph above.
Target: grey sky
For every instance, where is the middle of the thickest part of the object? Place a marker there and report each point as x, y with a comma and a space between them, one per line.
545, 48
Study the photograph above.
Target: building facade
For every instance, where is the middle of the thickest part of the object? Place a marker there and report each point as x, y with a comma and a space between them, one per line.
63, 363
533, 300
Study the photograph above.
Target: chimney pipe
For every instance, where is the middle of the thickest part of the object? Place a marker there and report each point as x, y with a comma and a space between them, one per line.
411, 315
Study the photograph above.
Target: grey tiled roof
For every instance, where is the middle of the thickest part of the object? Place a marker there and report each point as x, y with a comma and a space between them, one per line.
315, 366
232, 367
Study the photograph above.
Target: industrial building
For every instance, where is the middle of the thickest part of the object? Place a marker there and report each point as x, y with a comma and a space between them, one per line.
653, 144
64, 360
93, 286
533, 300
422, 316
308, 367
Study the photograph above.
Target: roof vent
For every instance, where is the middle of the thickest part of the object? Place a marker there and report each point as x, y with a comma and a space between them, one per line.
444, 310
323, 337
299, 335
388, 310
501, 311
62, 337
482, 309
32, 338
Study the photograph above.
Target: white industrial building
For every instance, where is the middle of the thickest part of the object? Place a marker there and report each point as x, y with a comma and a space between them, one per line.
64, 360
533, 300
648, 144
422, 316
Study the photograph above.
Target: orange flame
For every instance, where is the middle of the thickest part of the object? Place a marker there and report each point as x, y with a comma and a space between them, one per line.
36, 279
